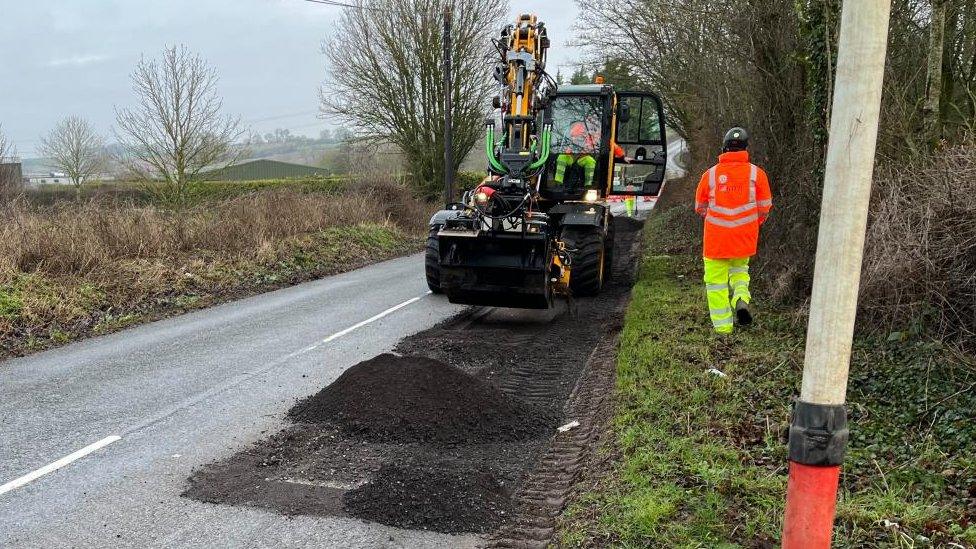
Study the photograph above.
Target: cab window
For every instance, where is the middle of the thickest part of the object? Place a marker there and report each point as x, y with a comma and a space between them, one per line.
577, 124
629, 131
641, 134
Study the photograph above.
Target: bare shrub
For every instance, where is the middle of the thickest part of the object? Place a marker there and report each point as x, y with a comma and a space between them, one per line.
394, 200
920, 257
75, 148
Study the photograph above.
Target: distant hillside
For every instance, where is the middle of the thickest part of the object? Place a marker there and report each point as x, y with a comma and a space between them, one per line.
36, 165
283, 146
309, 154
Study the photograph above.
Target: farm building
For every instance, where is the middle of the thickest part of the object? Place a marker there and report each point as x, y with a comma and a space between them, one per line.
264, 169
49, 178
60, 178
11, 177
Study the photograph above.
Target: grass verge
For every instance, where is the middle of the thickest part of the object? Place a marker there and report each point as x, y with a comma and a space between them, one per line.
698, 459
39, 311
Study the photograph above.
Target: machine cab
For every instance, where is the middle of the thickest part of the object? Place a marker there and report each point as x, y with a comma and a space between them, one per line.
594, 130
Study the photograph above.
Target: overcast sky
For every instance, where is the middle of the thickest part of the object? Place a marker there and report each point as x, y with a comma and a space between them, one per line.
61, 57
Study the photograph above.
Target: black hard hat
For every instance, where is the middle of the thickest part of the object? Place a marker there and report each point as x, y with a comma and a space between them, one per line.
736, 139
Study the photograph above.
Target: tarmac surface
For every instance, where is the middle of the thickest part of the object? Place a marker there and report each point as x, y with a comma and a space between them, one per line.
130, 415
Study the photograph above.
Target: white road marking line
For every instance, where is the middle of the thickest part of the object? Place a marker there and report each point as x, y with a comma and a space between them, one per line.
369, 320
51, 467
241, 378
355, 327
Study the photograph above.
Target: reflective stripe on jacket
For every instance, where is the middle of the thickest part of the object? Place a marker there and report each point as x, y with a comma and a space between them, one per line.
734, 198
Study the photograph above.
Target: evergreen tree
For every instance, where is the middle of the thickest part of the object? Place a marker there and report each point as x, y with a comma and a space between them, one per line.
580, 76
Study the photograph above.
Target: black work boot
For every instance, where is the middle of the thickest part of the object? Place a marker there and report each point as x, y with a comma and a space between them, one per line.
742, 314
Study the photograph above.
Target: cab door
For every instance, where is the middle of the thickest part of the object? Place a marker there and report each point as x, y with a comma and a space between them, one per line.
640, 131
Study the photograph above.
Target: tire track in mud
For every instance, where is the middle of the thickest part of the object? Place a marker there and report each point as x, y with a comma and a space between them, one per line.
543, 494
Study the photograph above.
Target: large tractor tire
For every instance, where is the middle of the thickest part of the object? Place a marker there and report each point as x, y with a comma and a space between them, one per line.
608, 249
586, 271
432, 261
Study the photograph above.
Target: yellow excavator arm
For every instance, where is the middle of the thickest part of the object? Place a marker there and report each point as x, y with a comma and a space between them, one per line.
521, 74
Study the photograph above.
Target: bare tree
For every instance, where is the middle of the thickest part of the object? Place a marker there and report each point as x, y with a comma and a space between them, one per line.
177, 130
389, 87
769, 66
75, 148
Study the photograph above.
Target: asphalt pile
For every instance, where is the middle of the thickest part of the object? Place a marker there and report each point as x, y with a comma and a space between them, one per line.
407, 441
432, 496
400, 399
393, 399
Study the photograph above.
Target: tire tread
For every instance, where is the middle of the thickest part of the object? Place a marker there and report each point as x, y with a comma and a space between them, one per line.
432, 259
588, 243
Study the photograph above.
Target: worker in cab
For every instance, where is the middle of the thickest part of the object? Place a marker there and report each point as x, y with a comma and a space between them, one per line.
734, 198
584, 144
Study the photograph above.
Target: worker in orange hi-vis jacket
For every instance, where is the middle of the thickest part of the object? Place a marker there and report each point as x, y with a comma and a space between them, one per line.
734, 198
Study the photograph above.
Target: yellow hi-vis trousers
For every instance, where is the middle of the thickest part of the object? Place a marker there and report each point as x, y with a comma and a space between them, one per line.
721, 275
587, 162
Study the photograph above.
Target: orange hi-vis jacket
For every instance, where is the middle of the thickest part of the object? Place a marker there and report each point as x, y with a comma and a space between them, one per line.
588, 142
733, 197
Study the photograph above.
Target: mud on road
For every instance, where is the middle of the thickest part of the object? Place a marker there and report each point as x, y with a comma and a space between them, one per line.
456, 431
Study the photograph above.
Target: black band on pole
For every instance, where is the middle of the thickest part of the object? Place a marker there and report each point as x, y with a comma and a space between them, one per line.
818, 434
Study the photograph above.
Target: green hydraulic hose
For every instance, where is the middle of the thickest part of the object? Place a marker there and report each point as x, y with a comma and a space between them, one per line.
546, 142
490, 151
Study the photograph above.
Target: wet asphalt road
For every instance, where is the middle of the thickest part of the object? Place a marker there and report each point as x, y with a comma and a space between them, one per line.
183, 392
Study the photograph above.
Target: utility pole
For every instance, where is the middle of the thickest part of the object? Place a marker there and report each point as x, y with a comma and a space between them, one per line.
448, 112
818, 433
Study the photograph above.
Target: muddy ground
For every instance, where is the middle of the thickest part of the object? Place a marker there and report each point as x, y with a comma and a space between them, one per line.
456, 432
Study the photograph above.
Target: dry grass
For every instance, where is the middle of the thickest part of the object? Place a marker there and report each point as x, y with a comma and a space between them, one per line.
73, 270
94, 237
920, 264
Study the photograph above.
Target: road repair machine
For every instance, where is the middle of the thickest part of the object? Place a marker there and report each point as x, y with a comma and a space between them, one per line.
539, 225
